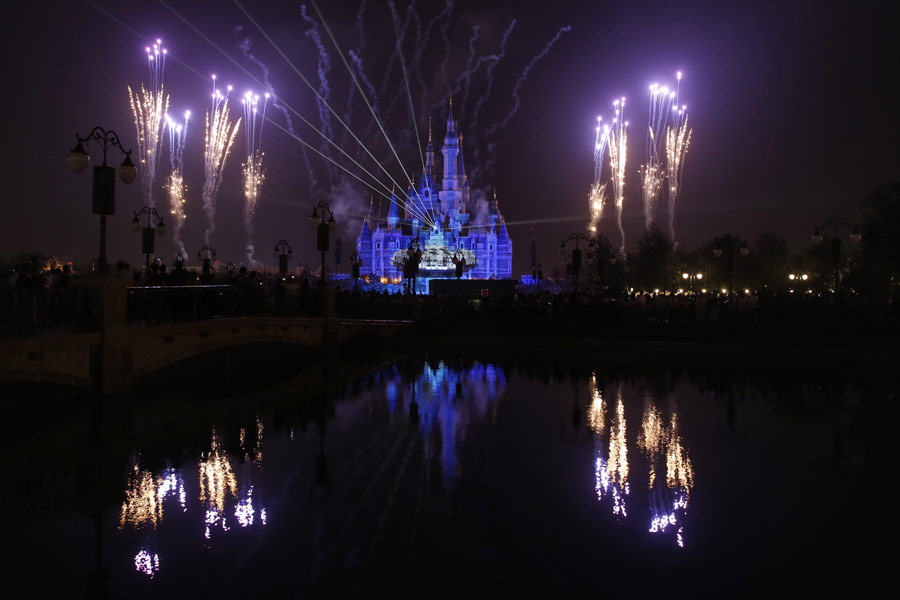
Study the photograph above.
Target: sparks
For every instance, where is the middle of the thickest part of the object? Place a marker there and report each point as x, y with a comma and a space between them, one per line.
220, 134
252, 171
175, 186
149, 107
678, 139
618, 149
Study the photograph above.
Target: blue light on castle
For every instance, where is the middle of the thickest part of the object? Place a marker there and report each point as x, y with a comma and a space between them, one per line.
483, 242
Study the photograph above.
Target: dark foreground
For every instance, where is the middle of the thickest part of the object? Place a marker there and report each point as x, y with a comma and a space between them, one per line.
444, 476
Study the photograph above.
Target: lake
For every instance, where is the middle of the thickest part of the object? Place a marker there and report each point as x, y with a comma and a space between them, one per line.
451, 476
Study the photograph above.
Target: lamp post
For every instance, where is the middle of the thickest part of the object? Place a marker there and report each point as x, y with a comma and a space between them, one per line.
855, 237
282, 256
797, 278
323, 229
576, 254
355, 262
459, 261
148, 239
104, 186
691, 277
727, 245
411, 265
207, 254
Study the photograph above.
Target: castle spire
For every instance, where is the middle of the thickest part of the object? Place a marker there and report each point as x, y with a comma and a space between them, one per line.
451, 126
393, 215
429, 156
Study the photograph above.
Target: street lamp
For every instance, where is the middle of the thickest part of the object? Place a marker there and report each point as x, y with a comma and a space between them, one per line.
411, 264
356, 262
207, 254
282, 256
691, 277
323, 229
104, 186
727, 245
576, 254
855, 237
600, 259
459, 261
148, 239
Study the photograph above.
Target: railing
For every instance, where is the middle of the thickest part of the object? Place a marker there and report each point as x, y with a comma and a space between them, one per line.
43, 311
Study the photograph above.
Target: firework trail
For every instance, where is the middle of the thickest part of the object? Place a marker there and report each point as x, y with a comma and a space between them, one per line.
245, 46
597, 195
411, 16
323, 66
149, 108
354, 55
652, 172
618, 149
678, 138
220, 134
524, 76
175, 181
252, 169
422, 43
495, 59
515, 93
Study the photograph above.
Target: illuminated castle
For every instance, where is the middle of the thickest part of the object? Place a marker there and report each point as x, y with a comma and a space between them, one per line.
441, 222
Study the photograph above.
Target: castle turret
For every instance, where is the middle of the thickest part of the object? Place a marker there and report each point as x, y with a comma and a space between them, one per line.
463, 178
450, 150
393, 217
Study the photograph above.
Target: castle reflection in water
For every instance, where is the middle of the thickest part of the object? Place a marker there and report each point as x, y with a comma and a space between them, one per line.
221, 487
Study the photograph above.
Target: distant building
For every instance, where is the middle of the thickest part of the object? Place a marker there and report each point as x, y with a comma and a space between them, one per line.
441, 222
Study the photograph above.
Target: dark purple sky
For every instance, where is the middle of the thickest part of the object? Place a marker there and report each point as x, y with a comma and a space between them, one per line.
793, 106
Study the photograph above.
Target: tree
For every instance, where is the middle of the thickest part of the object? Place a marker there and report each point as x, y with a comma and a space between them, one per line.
650, 264
880, 244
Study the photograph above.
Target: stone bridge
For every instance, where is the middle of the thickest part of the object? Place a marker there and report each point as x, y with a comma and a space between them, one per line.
128, 352
110, 359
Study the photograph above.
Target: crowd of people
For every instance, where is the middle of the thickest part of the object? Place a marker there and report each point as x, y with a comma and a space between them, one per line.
34, 300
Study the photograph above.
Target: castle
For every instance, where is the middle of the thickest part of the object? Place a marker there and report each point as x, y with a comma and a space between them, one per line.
440, 223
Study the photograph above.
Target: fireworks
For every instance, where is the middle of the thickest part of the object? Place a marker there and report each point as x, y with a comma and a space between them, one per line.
678, 138
618, 150
597, 195
668, 138
252, 171
175, 181
652, 171
149, 108
220, 134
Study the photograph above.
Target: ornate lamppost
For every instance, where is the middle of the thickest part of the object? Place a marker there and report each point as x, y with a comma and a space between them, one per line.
104, 186
206, 254
411, 264
855, 237
148, 239
323, 229
459, 261
691, 277
728, 245
355, 262
282, 255
576, 254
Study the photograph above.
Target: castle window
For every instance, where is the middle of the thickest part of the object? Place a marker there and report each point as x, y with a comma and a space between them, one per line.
378, 246
491, 247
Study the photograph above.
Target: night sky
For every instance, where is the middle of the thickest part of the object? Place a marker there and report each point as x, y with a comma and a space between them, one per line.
793, 107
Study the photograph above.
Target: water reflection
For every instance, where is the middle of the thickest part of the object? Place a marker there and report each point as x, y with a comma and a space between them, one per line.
447, 399
661, 444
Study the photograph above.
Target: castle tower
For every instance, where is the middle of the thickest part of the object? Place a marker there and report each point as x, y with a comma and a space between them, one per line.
451, 193
393, 217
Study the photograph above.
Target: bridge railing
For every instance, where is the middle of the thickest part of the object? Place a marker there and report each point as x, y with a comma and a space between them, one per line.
149, 305
43, 311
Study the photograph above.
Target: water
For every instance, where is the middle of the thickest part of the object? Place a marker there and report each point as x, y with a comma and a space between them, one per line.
451, 477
